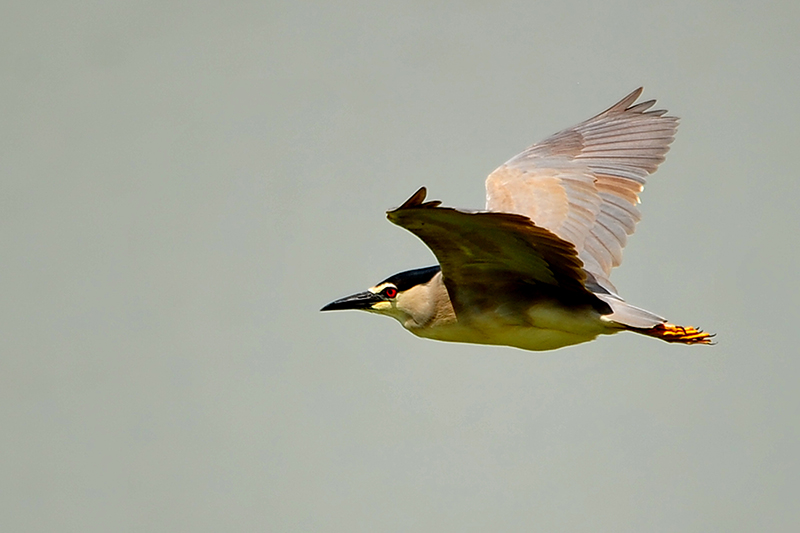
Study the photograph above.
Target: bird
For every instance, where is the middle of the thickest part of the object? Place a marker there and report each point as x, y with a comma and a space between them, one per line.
532, 270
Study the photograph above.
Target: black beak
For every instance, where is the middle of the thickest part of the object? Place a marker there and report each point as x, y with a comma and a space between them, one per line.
362, 300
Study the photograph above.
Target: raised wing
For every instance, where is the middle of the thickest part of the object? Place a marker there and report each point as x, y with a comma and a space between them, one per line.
483, 253
583, 183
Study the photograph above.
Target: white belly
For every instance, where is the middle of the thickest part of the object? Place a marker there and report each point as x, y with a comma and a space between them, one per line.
545, 328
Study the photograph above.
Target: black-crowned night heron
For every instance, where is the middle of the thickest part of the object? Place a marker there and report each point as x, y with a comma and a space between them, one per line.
532, 271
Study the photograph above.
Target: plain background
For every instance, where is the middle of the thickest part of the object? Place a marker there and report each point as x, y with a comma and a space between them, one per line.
185, 184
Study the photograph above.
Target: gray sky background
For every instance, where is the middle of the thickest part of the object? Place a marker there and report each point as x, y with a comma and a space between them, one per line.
185, 184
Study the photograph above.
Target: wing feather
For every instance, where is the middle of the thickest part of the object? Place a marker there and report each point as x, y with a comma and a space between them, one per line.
583, 183
483, 252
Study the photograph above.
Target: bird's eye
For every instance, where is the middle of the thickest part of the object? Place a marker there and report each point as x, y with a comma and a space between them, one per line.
389, 292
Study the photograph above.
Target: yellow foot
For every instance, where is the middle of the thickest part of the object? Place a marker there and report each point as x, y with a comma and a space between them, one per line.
682, 334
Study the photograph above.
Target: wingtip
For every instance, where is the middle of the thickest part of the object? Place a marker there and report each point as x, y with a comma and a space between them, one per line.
626, 102
416, 201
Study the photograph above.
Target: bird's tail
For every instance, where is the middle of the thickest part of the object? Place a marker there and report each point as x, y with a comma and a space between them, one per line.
638, 320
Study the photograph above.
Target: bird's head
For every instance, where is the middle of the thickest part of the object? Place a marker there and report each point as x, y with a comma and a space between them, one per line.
407, 297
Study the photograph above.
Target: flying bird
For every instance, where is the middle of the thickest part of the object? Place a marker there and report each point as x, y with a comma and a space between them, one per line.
532, 270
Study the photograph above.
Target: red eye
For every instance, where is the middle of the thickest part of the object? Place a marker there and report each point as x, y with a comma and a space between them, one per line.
390, 292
